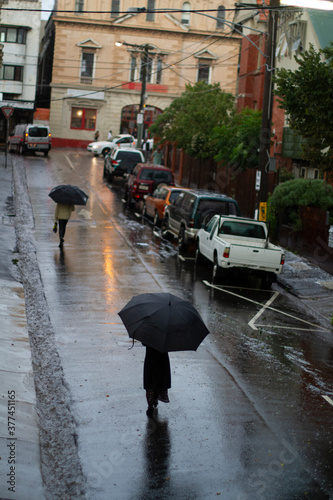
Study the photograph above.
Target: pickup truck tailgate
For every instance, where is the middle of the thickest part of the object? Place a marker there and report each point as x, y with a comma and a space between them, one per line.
255, 256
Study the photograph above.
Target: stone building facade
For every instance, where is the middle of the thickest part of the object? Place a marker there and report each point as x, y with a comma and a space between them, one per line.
96, 85
19, 37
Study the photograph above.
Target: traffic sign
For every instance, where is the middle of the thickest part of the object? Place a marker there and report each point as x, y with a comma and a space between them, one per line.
7, 111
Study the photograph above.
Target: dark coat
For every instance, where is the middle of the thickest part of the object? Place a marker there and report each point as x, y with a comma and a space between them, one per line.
156, 370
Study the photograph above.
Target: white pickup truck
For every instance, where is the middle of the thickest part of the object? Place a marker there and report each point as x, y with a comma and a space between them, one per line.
236, 242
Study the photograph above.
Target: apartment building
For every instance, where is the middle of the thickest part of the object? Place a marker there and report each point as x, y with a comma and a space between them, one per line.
97, 85
19, 36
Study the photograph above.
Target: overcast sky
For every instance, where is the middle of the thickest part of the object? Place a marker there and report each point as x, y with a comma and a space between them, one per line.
47, 4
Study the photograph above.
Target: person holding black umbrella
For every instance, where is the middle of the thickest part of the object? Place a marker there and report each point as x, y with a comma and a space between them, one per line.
156, 378
62, 215
163, 323
66, 196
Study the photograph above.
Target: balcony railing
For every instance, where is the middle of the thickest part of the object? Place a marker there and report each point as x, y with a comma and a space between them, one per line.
86, 79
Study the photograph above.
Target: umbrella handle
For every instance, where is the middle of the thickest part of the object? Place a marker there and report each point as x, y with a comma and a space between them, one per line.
132, 346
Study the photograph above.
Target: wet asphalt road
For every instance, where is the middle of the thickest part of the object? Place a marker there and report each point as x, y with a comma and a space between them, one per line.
246, 420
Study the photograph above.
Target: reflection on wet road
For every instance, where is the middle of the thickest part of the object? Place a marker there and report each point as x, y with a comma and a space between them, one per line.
247, 418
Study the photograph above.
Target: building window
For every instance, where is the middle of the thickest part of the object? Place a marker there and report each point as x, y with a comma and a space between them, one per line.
14, 73
154, 68
83, 118
79, 5
204, 69
159, 70
149, 70
115, 8
12, 35
150, 10
186, 14
220, 17
87, 67
133, 69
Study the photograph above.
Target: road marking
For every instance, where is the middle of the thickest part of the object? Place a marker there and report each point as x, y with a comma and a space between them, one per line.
262, 310
221, 289
292, 328
329, 400
184, 259
70, 163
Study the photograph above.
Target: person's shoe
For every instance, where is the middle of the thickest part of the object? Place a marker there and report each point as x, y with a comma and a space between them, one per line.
150, 411
61, 244
156, 402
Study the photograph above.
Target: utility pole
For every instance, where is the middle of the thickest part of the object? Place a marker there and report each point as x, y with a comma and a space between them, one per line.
140, 116
266, 123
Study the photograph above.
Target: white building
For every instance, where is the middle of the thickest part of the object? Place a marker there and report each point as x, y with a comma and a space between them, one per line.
19, 35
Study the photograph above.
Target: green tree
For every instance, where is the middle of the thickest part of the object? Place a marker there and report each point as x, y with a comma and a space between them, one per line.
237, 142
306, 94
190, 118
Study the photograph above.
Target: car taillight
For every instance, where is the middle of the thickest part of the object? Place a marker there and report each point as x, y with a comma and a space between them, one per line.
226, 252
282, 259
26, 135
191, 223
114, 162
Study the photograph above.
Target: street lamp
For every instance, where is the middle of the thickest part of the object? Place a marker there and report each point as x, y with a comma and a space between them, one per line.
143, 77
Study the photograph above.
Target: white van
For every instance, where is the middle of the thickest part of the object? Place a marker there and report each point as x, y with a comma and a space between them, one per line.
27, 138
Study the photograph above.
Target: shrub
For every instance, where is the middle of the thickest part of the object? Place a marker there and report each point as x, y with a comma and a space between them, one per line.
290, 196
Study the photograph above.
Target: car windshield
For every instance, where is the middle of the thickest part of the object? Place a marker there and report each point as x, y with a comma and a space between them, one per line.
243, 229
114, 138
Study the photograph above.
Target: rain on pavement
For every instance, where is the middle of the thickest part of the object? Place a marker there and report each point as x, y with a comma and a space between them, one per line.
247, 419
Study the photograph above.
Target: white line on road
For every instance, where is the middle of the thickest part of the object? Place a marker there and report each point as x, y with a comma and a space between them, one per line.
283, 327
329, 400
70, 163
221, 289
262, 310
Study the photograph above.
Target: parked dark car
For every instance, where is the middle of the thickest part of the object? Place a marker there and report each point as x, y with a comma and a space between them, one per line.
144, 180
121, 162
191, 210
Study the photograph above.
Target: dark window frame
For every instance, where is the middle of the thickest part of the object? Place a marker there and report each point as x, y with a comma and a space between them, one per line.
115, 8
221, 17
79, 6
18, 73
150, 16
21, 35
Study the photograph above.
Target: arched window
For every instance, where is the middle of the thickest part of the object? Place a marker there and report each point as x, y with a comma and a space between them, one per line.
186, 14
221, 17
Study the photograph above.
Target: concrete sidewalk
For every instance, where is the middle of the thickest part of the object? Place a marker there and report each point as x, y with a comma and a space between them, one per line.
311, 285
20, 475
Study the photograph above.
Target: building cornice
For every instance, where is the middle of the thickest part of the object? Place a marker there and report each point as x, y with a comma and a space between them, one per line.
72, 21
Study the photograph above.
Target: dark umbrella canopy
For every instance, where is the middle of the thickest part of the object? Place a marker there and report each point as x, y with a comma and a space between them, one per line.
68, 195
164, 322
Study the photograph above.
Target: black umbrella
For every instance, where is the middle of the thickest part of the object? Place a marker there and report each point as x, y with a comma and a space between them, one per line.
68, 195
164, 322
